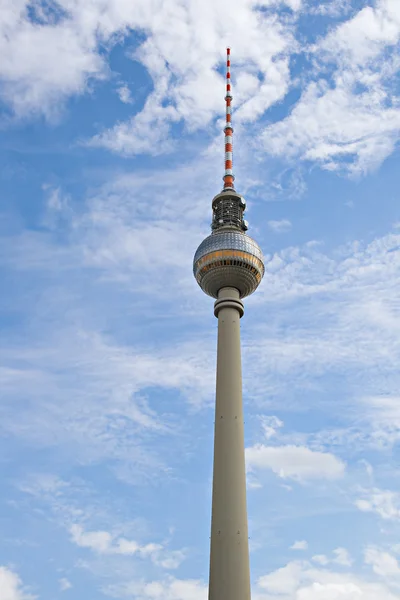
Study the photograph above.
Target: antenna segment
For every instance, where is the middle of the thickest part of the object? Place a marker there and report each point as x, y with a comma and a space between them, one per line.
229, 177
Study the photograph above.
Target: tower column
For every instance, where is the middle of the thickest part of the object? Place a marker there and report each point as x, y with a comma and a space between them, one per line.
229, 560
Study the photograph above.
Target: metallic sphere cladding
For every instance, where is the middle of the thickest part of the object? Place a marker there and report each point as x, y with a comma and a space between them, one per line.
228, 258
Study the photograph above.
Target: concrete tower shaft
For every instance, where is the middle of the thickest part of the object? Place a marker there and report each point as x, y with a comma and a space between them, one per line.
229, 557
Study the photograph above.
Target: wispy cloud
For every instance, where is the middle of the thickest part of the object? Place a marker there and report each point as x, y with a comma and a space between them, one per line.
330, 8
103, 542
385, 503
270, 425
282, 226
341, 556
302, 580
364, 120
383, 564
65, 584
35, 78
124, 94
167, 589
172, 61
137, 255
294, 462
299, 545
98, 420
11, 586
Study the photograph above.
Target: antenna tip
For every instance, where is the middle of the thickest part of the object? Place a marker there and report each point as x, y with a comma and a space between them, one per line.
228, 50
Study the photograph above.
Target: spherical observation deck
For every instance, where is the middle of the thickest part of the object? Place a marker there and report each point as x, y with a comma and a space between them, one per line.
228, 258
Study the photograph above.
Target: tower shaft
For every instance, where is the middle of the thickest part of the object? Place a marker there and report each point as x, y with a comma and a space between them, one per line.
229, 560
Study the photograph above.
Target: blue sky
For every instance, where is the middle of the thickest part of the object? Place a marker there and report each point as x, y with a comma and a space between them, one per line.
111, 148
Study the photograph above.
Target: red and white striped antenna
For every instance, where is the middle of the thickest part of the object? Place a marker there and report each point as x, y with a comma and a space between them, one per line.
229, 177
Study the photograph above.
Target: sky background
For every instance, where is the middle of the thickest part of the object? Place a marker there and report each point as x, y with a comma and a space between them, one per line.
111, 150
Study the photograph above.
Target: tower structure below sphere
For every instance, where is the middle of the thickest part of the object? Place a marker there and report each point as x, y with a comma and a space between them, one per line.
228, 265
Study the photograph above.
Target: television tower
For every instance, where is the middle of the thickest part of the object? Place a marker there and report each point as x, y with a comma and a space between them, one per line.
228, 266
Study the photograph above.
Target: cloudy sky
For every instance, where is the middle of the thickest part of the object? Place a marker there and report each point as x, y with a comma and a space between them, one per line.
111, 149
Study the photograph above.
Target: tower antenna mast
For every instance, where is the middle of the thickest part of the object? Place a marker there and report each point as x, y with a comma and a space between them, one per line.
229, 177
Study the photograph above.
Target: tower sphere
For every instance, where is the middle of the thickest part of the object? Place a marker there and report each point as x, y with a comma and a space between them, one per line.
228, 258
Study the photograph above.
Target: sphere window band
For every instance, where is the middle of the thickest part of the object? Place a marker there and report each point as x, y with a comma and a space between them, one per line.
229, 267
232, 254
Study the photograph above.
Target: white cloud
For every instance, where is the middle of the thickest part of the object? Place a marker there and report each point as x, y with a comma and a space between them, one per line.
111, 384
184, 45
364, 118
136, 250
301, 581
124, 94
270, 425
145, 236
362, 38
358, 137
321, 559
146, 133
330, 8
282, 581
58, 207
342, 557
56, 200
383, 564
45, 483
368, 468
116, 251
102, 542
320, 338
168, 589
183, 69
11, 587
385, 410
99, 541
65, 584
295, 462
300, 545
345, 591
385, 503
45, 63
282, 226
305, 271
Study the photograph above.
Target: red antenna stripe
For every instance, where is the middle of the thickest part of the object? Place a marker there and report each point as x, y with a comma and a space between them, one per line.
228, 177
